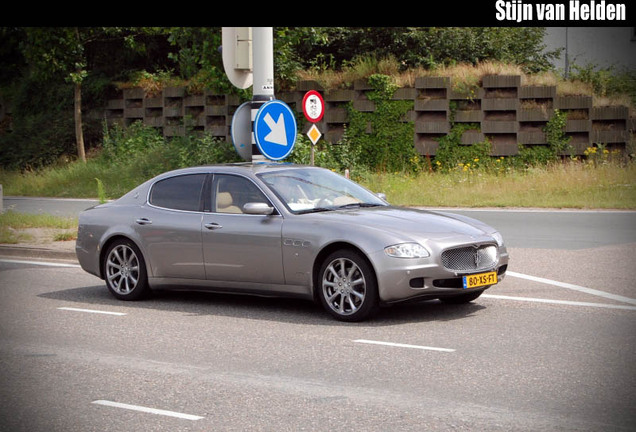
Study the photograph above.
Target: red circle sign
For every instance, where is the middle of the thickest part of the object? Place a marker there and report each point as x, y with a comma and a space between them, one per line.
313, 106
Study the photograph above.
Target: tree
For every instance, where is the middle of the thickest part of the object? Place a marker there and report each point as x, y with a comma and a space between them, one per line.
54, 53
426, 46
59, 52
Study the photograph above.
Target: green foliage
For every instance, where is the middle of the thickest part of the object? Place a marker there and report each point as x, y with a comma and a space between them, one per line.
542, 155
38, 65
51, 60
382, 139
606, 82
200, 149
558, 141
123, 143
197, 48
337, 157
533, 156
452, 155
199, 60
42, 128
150, 153
101, 193
429, 47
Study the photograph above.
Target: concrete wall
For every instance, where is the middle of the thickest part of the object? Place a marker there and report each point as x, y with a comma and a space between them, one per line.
602, 46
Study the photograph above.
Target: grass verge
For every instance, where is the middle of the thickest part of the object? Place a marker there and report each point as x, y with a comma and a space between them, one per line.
14, 227
573, 185
570, 185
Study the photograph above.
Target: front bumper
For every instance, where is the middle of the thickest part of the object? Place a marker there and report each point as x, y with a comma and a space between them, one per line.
402, 280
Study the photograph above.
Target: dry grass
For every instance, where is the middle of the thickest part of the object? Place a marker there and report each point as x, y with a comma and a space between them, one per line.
461, 74
463, 78
474, 74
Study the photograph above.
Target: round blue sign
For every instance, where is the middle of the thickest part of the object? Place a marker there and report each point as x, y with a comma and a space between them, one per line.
275, 130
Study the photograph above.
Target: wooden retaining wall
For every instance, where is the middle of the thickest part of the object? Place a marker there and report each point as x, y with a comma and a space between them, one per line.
502, 110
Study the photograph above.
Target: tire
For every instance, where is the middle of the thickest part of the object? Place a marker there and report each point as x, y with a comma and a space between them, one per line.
347, 286
125, 271
462, 298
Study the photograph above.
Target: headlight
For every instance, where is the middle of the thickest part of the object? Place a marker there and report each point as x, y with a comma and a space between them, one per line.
407, 250
498, 238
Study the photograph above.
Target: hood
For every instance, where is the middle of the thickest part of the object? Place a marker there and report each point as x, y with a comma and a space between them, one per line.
412, 223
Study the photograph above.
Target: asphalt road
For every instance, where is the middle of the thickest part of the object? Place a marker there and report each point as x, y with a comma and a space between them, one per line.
550, 348
55, 206
560, 229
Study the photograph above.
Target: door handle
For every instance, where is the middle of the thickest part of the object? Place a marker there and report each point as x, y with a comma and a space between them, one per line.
143, 221
212, 226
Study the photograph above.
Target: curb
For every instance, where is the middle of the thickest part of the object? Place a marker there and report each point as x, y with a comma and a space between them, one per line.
35, 252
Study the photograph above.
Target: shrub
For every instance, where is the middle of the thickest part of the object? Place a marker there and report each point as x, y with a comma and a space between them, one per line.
452, 155
382, 139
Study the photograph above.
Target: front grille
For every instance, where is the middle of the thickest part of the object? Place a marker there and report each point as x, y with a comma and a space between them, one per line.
470, 258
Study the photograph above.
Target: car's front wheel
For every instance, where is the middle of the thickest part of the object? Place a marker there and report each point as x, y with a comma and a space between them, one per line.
348, 287
125, 271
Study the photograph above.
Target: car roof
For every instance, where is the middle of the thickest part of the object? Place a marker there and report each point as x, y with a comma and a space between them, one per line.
246, 167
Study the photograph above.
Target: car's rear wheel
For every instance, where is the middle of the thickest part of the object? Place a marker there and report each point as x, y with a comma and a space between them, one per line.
462, 298
125, 271
348, 287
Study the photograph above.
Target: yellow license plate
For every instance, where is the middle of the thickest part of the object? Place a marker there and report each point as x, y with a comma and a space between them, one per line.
479, 280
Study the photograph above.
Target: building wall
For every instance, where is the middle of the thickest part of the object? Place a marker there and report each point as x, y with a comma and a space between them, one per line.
601, 46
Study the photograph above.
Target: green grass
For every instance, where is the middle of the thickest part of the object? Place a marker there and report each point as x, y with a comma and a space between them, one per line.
571, 185
65, 236
561, 186
18, 220
73, 180
12, 223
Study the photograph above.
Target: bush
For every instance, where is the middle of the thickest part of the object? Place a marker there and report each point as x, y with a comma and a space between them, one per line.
150, 153
381, 140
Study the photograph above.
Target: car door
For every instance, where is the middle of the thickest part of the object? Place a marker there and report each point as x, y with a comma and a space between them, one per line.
169, 226
241, 247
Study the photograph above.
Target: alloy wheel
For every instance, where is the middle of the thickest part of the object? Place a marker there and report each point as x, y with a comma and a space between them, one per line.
122, 269
344, 286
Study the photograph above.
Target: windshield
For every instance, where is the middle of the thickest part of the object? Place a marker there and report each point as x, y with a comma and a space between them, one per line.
309, 190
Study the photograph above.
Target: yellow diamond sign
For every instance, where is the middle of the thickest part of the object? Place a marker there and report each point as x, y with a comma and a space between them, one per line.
314, 134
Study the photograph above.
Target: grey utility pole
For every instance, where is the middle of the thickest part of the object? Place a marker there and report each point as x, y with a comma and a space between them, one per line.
248, 59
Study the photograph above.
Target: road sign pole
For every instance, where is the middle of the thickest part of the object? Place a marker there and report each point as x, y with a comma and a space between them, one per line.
263, 63
263, 56
314, 109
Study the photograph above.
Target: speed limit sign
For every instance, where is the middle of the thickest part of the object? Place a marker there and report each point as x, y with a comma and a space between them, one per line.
313, 106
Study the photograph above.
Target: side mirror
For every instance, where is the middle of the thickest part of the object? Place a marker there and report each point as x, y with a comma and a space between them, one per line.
381, 196
257, 208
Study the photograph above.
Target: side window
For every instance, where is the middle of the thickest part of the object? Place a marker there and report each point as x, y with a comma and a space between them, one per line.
178, 193
231, 193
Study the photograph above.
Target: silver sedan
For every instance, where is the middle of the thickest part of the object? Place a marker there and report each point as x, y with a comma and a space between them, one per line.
285, 230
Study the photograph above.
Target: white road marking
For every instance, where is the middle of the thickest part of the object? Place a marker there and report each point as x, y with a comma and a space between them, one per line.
574, 287
561, 302
579, 288
42, 263
148, 410
399, 345
91, 311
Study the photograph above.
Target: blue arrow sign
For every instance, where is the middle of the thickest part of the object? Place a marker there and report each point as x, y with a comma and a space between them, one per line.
275, 130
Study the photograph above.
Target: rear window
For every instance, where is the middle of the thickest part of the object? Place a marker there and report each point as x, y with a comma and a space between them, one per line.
178, 193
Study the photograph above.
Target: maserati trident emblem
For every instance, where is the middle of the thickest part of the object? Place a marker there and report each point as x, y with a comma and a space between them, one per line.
477, 258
